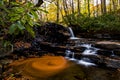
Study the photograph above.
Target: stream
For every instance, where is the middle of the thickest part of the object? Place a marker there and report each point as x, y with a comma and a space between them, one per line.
85, 64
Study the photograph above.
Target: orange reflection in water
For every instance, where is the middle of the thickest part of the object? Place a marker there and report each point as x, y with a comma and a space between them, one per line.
41, 67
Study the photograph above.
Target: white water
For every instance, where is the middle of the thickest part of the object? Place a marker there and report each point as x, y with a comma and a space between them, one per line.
73, 58
67, 52
86, 63
72, 34
88, 46
89, 51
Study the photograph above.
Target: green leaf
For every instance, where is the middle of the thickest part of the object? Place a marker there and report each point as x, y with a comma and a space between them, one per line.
14, 3
20, 26
36, 23
1, 3
13, 19
12, 28
23, 21
35, 15
18, 9
30, 30
43, 10
30, 23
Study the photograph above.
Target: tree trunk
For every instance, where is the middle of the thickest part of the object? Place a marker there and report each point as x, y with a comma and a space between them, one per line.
89, 8
57, 15
119, 2
103, 6
114, 5
78, 1
72, 5
97, 8
110, 6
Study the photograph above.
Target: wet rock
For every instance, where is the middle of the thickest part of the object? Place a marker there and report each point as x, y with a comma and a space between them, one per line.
117, 52
53, 32
104, 52
112, 63
108, 45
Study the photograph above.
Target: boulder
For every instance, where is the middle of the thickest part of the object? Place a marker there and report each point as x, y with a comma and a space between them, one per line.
108, 45
114, 63
53, 32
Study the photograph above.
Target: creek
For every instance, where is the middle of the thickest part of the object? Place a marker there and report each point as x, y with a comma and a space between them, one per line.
70, 66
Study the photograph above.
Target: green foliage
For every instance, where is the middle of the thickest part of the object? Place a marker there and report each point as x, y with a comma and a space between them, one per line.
107, 22
18, 18
7, 45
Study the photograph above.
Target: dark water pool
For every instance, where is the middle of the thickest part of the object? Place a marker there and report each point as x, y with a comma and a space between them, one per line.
79, 72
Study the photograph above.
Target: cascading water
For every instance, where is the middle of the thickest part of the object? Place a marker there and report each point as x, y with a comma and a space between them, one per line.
112, 53
72, 34
73, 57
88, 46
88, 51
86, 62
68, 53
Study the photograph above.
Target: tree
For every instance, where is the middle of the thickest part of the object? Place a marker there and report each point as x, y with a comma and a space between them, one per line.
103, 6
57, 20
79, 4
88, 7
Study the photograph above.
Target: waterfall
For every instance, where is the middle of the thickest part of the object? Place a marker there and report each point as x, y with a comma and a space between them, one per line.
73, 58
70, 55
67, 52
86, 62
89, 49
71, 32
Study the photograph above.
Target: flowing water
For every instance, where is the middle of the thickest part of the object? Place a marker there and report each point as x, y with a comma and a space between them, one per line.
89, 50
72, 34
68, 68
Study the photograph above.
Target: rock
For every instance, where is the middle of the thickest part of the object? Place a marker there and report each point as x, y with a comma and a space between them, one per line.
22, 44
108, 45
104, 52
117, 52
112, 63
53, 32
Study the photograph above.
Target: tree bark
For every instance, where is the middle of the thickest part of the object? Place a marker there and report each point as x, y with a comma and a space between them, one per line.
89, 8
57, 15
78, 7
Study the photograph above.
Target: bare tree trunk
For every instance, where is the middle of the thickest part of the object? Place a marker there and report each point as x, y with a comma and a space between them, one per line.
97, 8
114, 5
72, 5
65, 7
85, 5
103, 6
88, 8
110, 6
119, 2
57, 16
78, 7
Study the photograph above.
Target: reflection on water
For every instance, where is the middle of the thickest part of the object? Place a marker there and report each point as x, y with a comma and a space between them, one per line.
57, 68
86, 62
79, 72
